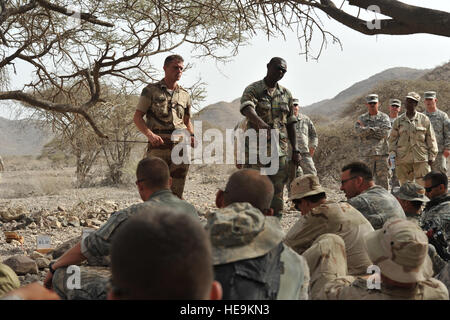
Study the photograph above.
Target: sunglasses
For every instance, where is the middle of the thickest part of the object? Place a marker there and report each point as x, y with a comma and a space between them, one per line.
344, 181
430, 188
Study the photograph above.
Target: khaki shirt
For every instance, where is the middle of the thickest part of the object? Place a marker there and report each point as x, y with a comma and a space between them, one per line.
164, 110
337, 218
413, 140
275, 110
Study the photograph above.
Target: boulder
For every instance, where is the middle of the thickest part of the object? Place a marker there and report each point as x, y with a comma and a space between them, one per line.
22, 264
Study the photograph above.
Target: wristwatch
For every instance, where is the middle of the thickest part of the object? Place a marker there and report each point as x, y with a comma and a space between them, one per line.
50, 266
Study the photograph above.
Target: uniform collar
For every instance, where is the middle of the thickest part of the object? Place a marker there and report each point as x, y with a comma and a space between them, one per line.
266, 88
163, 85
158, 193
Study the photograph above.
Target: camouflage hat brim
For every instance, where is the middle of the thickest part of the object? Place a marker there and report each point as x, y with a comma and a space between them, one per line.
265, 241
306, 194
402, 196
380, 257
412, 98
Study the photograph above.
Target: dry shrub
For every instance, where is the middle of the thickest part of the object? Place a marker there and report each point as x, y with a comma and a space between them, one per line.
34, 186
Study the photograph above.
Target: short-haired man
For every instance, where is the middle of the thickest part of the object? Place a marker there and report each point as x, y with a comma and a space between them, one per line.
268, 106
395, 106
413, 142
153, 182
411, 197
438, 208
441, 126
320, 216
372, 129
167, 107
306, 142
399, 253
164, 255
373, 201
250, 260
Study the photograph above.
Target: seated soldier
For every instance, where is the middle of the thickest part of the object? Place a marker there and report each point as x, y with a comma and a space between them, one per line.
153, 182
8, 279
250, 260
411, 197
402, 266
320, 216
373, 201
162, 255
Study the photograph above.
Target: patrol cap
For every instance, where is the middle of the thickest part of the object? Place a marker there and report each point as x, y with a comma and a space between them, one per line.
295, 101
372, 98
306, 185
8, 279
240, 231
429, 95
411, 191
414, 96
400, 250
395, 102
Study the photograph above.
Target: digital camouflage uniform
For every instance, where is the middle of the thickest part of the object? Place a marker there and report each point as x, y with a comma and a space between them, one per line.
377, 205
414, 143
393, 180
438, 209
337, 218
165, 113
275, 110
97, 245
250, 260
306, 138
373, 146
328, 265
441, 126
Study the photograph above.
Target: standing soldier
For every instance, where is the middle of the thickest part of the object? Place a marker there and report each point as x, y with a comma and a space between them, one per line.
167, 107
267, 105
441, 126
306, 142
395, 106
413, 143
373, 129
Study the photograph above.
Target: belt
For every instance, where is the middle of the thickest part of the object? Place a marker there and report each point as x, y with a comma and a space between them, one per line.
169, 131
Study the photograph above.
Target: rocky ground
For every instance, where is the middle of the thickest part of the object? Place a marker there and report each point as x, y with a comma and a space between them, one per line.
37, 199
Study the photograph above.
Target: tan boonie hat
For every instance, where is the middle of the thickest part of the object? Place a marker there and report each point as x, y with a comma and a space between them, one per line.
240, 231
400, 250
8, 279
372, 98
306, 185
414, 96
295, 101
411, 191
429, 95
395, 102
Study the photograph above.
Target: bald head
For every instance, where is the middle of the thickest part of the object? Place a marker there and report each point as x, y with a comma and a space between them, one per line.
249, 185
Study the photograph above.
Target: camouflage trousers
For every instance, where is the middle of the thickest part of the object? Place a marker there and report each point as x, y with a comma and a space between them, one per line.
178, 172
444, 276
306, 167
90, 283
278, 180
326, 260
412, 171
380, 169
440, 163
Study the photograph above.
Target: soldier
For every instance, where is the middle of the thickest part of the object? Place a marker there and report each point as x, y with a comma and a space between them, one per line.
167, 107
411, 197
268, 105
153, 182
306, 142
160, 256
395, 106
374, 202
8, 279
250, 260
438, 209
441, 126
413, 143
373, 129
399, 252
320, 216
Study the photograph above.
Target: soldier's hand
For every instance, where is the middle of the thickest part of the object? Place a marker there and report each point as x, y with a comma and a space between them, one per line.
48, 280
296, 157
263, 125
360, 123
155, 140
446, 153
193, 142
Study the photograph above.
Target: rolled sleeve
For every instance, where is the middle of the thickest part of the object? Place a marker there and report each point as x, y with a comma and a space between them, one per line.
144, 103
248, 98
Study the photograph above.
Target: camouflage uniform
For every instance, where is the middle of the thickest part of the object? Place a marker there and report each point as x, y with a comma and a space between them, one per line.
373, 146
249, 258
306, 138
8, 279
411, 191
328, 265
413, 142
394, 180
275, 110
444, 275
377, 205
337, 218
438, 209
441, 126
97, 245
165, 113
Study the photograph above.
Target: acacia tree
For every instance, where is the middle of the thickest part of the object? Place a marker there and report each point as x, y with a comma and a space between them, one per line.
92, 43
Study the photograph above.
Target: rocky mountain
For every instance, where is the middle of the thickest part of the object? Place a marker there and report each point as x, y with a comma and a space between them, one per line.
22, 137
222, 114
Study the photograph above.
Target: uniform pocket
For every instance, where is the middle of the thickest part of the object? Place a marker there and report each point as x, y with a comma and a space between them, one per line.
420, 134
160, 107
264, 109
